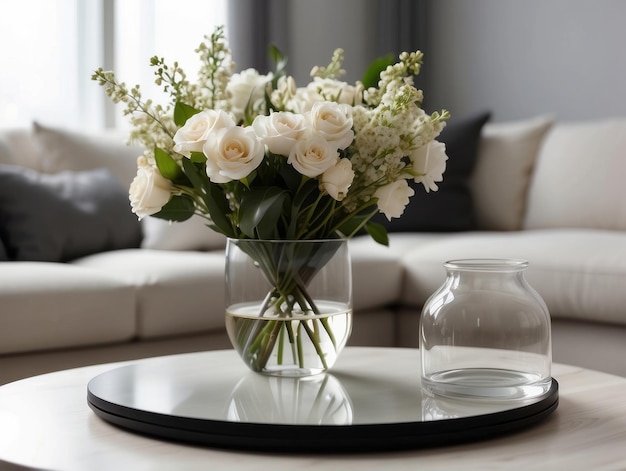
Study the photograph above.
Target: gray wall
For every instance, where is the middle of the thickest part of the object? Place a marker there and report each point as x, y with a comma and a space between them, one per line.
318, 27
518, 58
522, 58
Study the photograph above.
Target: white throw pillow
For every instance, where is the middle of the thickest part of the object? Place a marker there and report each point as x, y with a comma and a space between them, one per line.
17, 148
192, 234
499, 182
67, 150
579, 177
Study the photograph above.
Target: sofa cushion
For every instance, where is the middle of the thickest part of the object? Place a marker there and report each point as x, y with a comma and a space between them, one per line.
62, 216
580, 273
178, 292
579, 177
376, 274
54, 305
61, 149
499, 182
450, 208
192, 234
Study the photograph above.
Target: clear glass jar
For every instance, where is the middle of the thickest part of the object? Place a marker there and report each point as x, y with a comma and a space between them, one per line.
485, 333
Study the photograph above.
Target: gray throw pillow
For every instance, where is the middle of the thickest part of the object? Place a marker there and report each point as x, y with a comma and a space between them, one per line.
63, 216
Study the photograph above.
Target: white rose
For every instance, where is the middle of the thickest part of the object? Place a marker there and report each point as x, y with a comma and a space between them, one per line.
393, 198
232, 154
244, 88
313, 155
192, 136
333, 121
337, 180
149, 190
429, 162
280, 131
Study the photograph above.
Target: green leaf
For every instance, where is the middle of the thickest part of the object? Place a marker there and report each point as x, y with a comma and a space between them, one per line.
307, 194
214, 198
166, 164
217, 205
279, 59
372, 74
260, 211
196, 175
198, 157
291, 177
179, 208
182, 112
378, 232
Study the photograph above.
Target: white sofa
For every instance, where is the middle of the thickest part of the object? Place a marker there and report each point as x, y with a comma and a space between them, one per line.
549, 192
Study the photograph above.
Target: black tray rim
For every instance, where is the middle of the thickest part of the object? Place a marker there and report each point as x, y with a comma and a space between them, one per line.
325, 438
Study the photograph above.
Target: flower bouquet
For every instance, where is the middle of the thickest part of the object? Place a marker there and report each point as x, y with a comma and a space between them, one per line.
263, 160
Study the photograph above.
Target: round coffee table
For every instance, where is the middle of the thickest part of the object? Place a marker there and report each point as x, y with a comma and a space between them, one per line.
47, 422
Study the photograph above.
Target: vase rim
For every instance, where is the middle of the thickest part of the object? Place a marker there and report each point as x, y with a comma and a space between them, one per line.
487, 264
274, 241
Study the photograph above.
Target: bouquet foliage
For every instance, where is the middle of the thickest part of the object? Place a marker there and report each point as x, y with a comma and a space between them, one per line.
261, 159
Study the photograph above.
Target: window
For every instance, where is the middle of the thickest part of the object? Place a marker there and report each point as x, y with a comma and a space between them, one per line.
51, 47
172, 29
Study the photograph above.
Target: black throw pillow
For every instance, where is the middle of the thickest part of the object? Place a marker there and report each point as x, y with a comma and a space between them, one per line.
450, 208
63, 216
3, 252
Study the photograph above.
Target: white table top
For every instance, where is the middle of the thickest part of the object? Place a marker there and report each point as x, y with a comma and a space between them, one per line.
45, 422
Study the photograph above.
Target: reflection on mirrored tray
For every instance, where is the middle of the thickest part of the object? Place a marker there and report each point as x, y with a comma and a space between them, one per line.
314, 400
341, 398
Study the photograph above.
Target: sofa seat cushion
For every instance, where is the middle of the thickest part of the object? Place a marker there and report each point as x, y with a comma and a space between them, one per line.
177, 292
53, 305
581, 274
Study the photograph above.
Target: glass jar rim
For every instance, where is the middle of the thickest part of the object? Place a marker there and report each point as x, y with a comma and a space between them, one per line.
487, 264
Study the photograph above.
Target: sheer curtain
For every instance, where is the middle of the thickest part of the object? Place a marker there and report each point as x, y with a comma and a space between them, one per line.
51, 47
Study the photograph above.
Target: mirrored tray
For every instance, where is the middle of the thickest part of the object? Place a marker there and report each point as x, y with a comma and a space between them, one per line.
371, 400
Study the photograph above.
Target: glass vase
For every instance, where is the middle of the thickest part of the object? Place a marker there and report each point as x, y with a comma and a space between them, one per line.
485, 333
288, 303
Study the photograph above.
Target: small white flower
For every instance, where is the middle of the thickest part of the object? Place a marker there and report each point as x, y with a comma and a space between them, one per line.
280, 131
429, 162
313, 155
149, 190
192, 136
246, 88
232, 154
393, 198
328, 89
337, 180
333, 121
